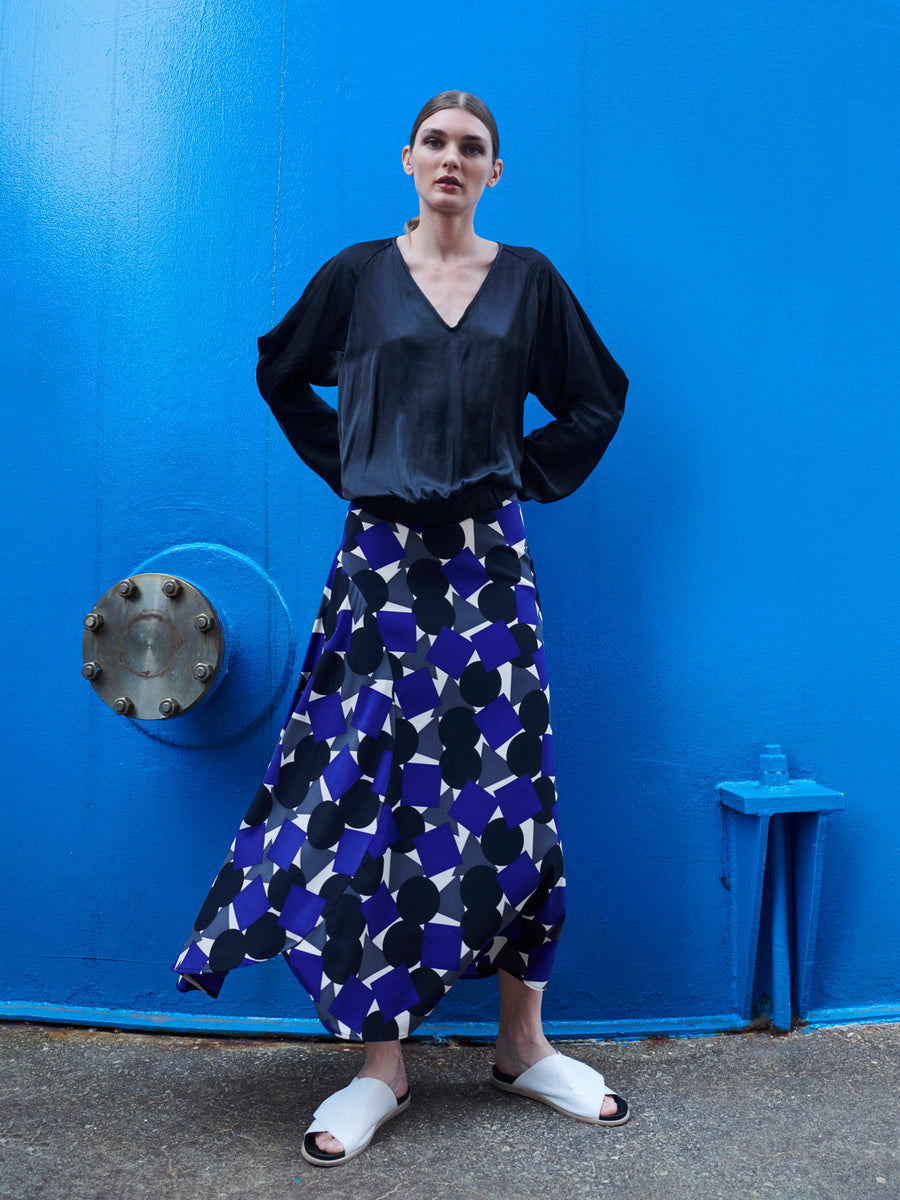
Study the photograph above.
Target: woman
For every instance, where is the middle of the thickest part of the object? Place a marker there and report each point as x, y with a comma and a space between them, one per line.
405, 833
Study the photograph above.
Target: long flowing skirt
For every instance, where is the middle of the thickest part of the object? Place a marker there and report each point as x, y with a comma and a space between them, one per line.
405, 832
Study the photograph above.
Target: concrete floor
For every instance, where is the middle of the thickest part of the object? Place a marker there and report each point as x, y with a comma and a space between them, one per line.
91, 1114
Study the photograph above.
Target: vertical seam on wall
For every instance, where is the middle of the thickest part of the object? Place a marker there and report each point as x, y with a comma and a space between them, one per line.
274, 273
280, 153
268, 426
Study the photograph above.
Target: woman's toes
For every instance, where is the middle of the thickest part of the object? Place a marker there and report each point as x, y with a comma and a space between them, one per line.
328, 1145
608, 1107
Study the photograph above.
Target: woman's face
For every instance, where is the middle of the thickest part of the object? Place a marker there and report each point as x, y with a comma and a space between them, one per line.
451, 160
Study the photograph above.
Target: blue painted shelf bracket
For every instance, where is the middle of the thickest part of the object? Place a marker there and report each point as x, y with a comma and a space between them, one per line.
777, 824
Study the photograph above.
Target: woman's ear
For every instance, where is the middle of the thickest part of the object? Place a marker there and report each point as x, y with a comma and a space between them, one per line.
497, 172
407, 160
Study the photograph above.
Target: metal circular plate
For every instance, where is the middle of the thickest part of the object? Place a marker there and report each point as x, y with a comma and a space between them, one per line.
153, 647
260, 640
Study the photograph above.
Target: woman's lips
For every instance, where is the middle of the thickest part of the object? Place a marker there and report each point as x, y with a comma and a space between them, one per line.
448, 181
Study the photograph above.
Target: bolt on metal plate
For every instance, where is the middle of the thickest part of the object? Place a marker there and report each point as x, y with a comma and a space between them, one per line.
147, 652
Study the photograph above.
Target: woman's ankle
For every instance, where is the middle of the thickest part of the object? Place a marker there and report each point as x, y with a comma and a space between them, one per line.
516, 1051
384, 1061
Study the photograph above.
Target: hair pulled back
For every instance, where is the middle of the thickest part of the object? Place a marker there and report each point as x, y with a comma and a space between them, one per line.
456, 99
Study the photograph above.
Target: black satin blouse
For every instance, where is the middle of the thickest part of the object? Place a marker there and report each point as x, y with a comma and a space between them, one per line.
429, 424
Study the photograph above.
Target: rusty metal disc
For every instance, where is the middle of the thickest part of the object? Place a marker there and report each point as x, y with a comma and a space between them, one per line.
153, 647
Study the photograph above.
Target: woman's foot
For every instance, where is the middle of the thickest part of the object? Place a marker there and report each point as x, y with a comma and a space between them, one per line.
571, 1087
520, 1037
512, 1059
384, 1061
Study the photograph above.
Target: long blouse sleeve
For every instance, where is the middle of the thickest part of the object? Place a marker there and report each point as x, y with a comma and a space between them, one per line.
306, 348
577, 380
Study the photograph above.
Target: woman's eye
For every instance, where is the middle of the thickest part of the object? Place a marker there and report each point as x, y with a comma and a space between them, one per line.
473, 149
433, 143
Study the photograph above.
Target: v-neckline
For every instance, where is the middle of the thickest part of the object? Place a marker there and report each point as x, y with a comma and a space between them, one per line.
468, 307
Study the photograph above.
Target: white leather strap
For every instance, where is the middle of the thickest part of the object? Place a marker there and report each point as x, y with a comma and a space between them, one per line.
352, 1114
565, 1081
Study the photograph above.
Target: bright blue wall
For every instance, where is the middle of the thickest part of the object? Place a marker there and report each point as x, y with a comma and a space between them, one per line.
718, 183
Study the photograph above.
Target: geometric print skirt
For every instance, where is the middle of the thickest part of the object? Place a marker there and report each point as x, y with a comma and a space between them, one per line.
404, 835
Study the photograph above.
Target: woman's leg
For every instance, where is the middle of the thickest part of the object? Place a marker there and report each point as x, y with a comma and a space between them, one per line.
520, 1037
384, 1061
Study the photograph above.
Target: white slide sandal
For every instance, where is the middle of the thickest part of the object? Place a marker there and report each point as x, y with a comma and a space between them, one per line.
567, 1085
352, 1116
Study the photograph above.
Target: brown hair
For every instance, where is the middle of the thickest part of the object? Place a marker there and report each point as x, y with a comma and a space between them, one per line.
456, 99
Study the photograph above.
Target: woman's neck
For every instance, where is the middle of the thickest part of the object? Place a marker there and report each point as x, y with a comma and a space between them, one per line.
445, 236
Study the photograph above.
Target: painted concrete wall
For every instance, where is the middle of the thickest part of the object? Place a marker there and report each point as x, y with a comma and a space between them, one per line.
718, 183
